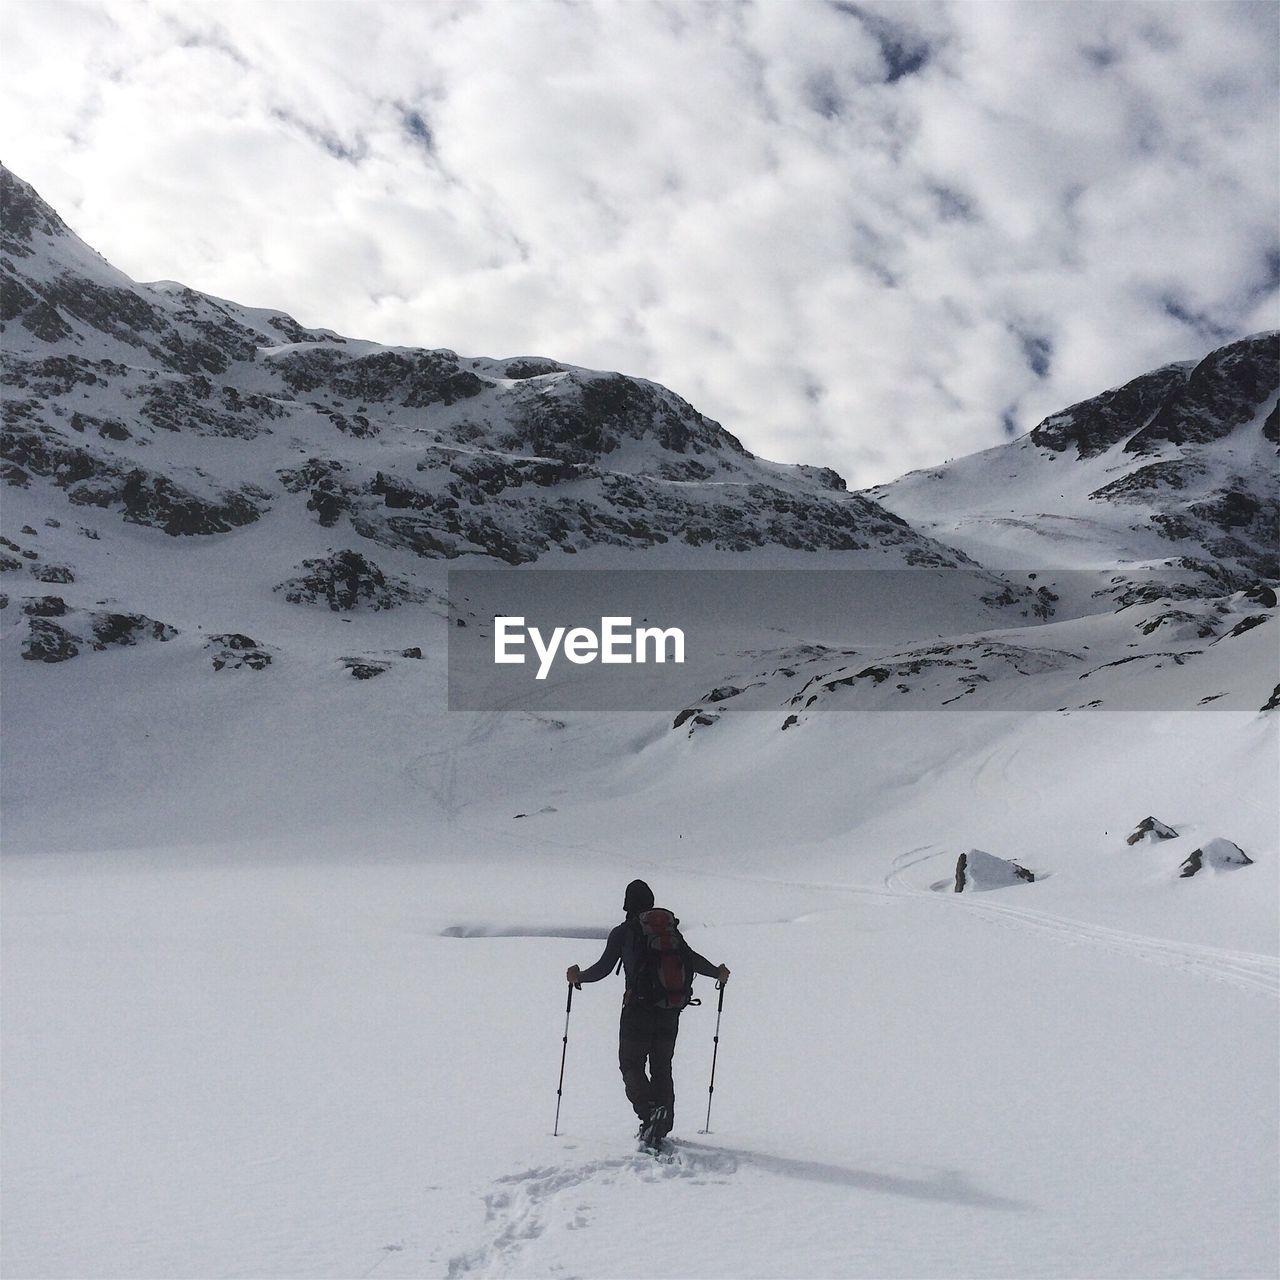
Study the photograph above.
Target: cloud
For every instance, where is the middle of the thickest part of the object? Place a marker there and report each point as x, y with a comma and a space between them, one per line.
862, 234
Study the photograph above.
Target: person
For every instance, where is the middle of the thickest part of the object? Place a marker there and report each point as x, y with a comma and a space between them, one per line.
646, 1031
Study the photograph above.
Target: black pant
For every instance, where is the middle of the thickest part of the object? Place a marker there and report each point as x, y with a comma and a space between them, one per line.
648, 1033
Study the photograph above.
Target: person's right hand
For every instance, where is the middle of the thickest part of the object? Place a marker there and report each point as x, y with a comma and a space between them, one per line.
574, 974
723, 975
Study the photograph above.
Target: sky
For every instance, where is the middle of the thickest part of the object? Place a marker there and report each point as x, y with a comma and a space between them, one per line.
872, 236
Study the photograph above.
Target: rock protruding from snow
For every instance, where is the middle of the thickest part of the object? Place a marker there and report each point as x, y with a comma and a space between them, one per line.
346, 581
1151, 828
48, 641
1218, 854
977, 871
365, 668
234, 652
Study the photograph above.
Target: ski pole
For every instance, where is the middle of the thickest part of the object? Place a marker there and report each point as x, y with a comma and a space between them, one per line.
568, 1004
711, 1088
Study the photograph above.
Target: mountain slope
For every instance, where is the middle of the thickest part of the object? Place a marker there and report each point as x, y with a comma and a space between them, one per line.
195, 416
284, 937
1176, 467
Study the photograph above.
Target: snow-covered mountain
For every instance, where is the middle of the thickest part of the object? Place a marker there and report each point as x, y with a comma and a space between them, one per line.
1176, 467
284, 937
194, 415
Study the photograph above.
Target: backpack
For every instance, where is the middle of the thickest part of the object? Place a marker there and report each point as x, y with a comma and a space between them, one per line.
662, 976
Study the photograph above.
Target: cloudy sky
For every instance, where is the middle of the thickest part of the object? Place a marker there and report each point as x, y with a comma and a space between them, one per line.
869, 235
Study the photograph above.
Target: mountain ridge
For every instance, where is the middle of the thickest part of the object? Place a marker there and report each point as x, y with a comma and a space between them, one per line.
416, 449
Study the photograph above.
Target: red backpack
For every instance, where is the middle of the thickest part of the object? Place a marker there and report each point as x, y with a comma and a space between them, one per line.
662, 977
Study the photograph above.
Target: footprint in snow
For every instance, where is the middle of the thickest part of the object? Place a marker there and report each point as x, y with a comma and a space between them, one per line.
520, 1204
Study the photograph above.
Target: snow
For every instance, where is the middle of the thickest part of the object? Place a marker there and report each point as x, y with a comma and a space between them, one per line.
283, 985
283, 970
250, 1061
283, 951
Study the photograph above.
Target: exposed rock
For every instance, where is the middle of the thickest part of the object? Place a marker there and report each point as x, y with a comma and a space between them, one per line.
157, 501
45, 607
1094, 425
695, 717
1223, 391
1272, 702
1153, 828
346, 581
415, 652
721, 692
24, 215
531, 368
48, 642
1246, 624
126, 629
362, 669
233, 651
977, 870
52, 573
1218, 854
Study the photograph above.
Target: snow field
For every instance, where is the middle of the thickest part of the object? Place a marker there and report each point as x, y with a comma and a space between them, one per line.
230, 1066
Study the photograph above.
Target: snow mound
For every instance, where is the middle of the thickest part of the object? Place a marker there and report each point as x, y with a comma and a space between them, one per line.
1219, 854
977, 870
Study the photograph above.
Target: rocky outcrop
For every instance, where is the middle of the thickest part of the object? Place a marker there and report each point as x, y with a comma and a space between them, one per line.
235, 652
364, 668
1178, 404
157, 501
49, 641
978, 871
1217, 854
97, 479
346, 581
695, 717
1226, 389
1151, 829
946, 673
1094, 425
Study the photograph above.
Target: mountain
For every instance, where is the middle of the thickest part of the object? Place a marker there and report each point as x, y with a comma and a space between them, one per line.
189, 476
1174, 468
285, 933
197, 416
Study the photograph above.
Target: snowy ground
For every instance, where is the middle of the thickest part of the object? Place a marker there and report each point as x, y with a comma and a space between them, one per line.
271, 1059
283, 949
242, 1036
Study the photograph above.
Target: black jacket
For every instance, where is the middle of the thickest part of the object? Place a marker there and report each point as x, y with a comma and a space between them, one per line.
623, 945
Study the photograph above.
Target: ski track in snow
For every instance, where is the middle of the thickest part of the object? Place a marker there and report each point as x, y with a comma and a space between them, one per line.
1245, 970
522, 1207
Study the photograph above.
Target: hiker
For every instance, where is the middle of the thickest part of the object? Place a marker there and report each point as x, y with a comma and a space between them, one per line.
656, 991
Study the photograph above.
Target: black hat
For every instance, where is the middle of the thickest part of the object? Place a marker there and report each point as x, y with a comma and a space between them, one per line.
639, 897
